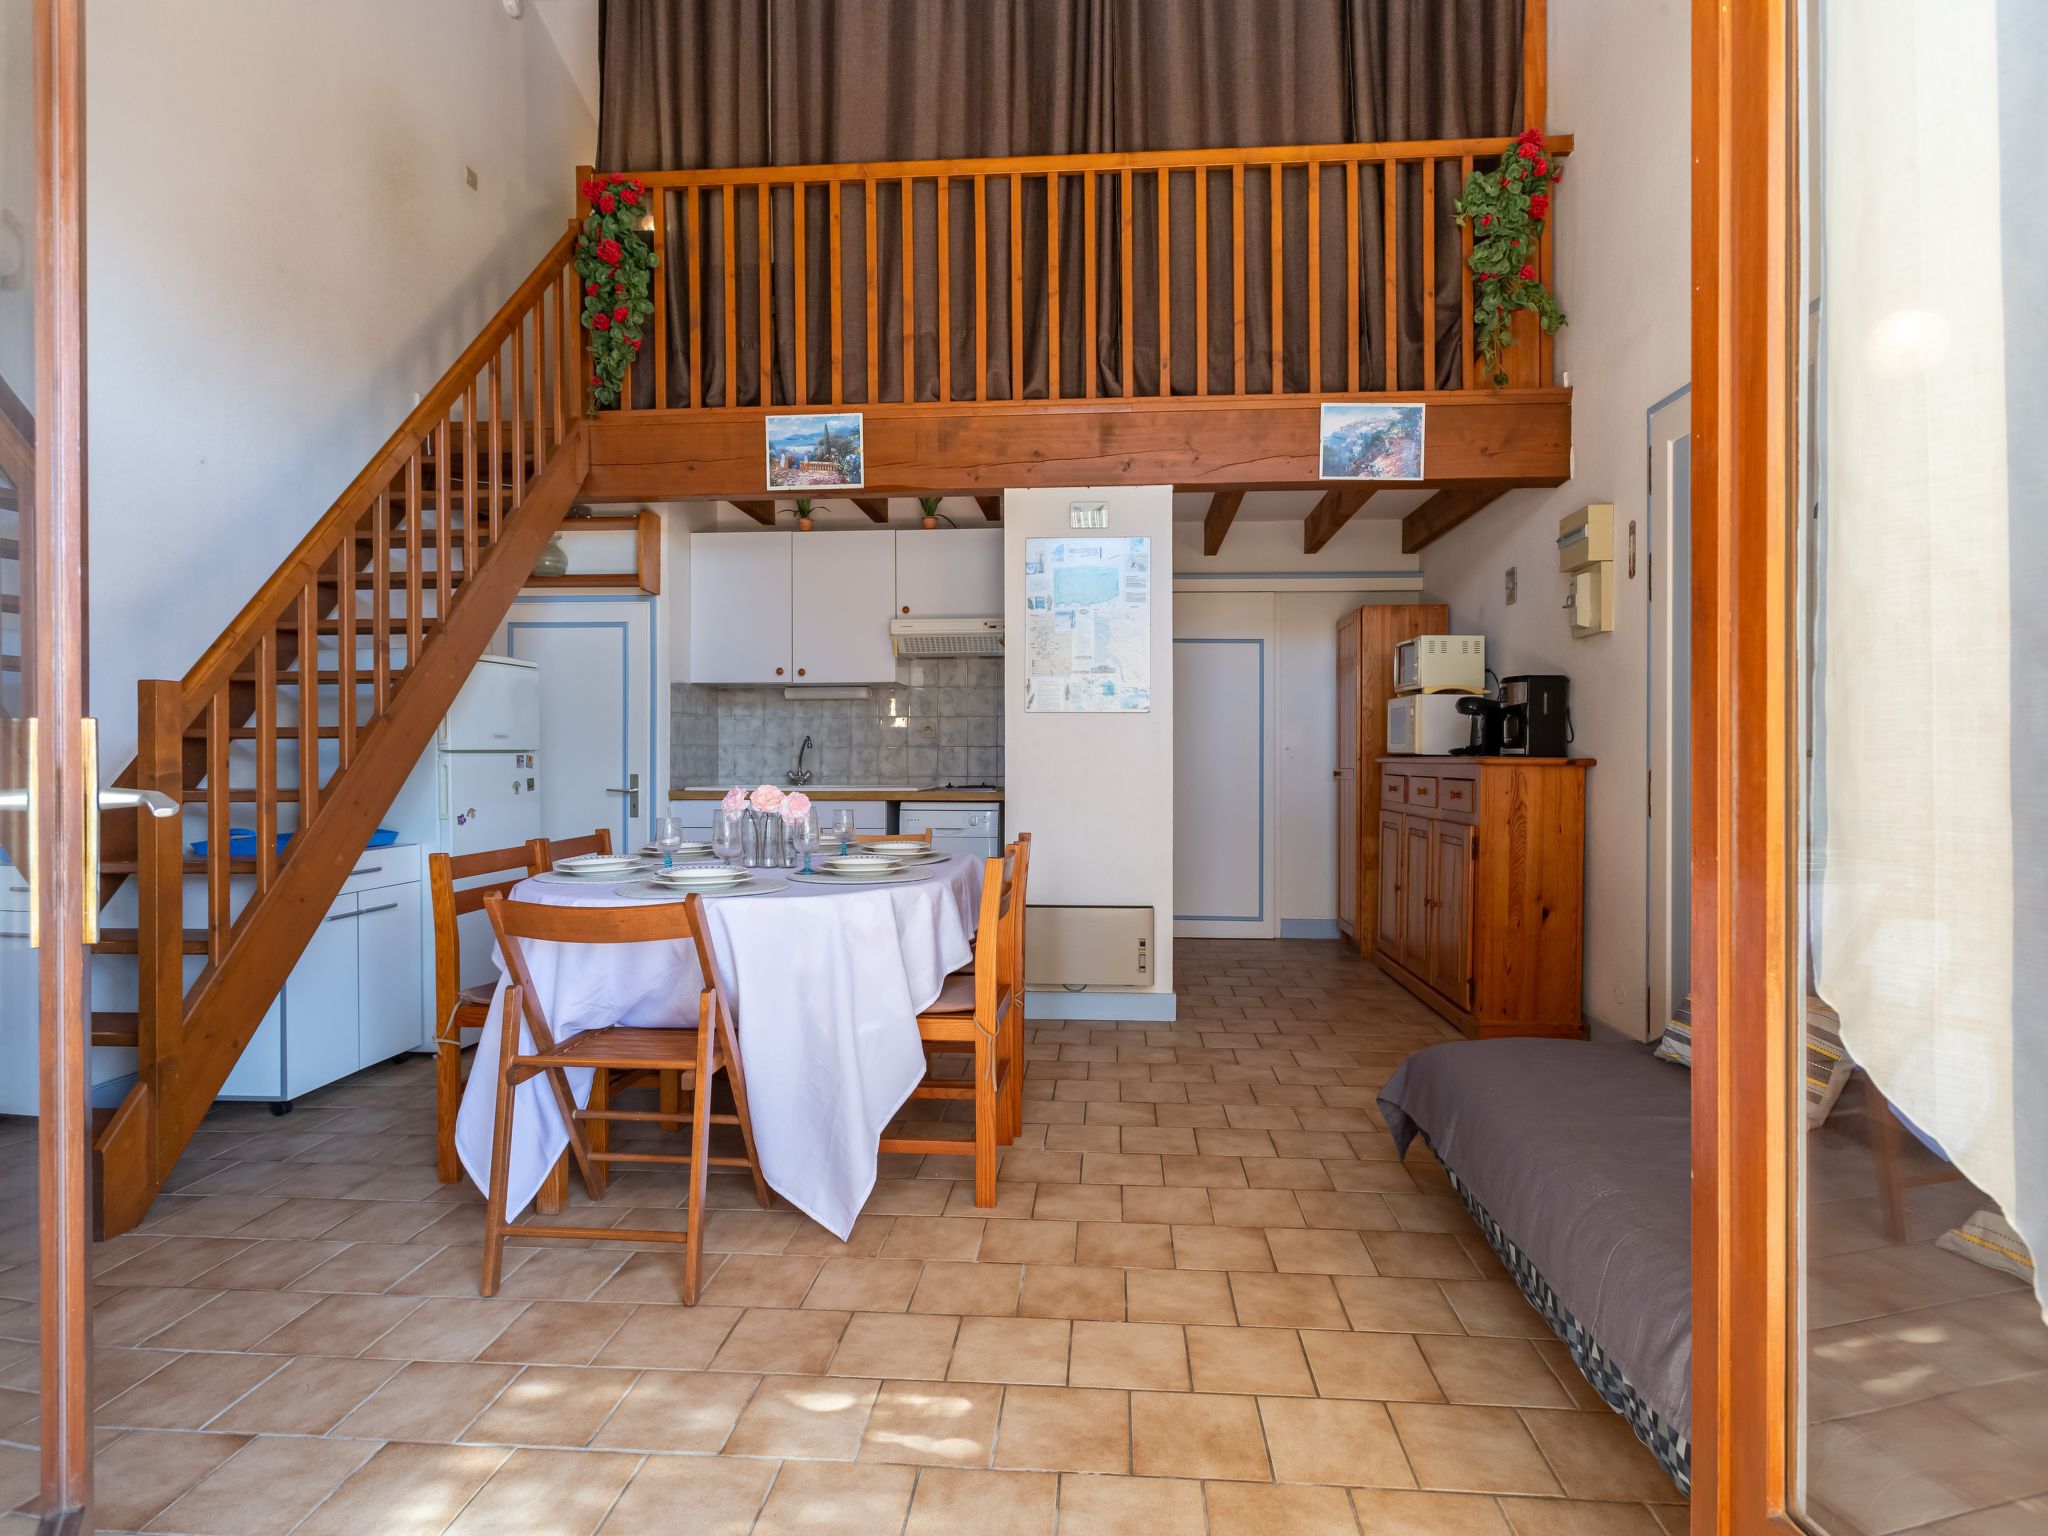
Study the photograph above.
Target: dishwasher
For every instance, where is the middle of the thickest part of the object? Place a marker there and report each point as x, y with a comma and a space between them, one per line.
971, 829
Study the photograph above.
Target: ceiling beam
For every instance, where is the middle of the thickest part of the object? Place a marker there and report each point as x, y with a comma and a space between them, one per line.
991, 507
1222, 508
1443, 512
1338, 506
762, 512
876, 507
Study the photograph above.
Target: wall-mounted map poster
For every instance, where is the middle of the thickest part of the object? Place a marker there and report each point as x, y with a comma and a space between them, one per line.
1087, 625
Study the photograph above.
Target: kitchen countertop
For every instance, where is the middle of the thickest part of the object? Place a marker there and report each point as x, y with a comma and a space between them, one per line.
873, 792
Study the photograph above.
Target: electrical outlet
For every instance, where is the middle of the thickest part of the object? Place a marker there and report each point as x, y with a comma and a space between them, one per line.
1511, 587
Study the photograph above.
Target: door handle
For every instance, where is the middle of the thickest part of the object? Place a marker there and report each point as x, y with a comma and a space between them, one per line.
342, 917
631, 792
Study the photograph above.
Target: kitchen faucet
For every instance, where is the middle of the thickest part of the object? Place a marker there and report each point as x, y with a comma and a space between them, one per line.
800, 774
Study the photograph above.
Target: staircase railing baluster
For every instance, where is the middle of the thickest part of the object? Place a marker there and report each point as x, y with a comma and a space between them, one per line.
266, 754
444, 540
380, 603
309, 694
413, 593
216, 825
348, 561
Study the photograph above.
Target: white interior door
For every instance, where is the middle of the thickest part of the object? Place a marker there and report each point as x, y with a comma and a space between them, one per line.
1224, 766
1670, 862
603, 762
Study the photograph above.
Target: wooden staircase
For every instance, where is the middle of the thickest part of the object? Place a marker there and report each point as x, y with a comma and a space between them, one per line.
302, 721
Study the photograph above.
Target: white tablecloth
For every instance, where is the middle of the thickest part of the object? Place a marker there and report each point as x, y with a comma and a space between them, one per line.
825, 985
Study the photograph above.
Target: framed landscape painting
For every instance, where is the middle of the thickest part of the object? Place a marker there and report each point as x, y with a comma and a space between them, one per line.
816, 453
1371, 442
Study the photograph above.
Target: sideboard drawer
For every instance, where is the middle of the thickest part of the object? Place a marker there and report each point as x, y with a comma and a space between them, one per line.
1456, 795
1393, 789
1421, 790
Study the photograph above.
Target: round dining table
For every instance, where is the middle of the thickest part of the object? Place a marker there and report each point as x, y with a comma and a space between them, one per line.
826, 983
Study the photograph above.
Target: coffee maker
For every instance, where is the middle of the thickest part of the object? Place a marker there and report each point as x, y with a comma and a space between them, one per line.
1536, 718
1486, 727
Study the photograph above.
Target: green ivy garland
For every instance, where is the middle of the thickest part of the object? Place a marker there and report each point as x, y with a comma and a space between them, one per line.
617, 268
1508, 205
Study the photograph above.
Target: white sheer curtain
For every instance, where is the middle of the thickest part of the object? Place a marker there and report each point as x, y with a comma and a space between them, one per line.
1928, 901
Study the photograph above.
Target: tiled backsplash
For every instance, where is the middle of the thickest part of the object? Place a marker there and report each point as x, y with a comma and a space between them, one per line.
941, 720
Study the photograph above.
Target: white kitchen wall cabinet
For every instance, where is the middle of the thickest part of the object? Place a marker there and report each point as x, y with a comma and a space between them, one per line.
949, 573
794, 609
740, 608
842, 587
354, 998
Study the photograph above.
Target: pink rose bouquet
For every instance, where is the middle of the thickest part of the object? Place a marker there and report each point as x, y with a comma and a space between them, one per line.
767, 799
795, 805
735, 801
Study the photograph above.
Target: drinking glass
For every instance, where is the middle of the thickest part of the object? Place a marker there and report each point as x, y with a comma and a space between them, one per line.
728, 835
842, 827
668, 837
805, 831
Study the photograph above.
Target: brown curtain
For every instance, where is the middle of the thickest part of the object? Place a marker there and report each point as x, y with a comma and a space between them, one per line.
693, 84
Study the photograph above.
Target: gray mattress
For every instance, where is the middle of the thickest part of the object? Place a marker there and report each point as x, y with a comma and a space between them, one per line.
1581, 1154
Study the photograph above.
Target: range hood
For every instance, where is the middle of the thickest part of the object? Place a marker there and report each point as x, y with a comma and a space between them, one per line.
947, 637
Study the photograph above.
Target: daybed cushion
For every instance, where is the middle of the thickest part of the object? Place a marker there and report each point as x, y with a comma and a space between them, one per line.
1581, 1154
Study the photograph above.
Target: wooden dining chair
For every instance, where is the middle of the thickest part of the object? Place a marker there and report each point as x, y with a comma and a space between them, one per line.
973, 1011
701, 1048
457, 1007
599, 841
1012, 1045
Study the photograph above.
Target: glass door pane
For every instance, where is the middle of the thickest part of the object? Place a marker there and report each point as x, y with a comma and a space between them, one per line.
1924, 1121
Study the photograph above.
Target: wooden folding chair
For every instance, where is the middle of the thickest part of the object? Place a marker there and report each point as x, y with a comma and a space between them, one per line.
457, 1007
972, 1012
701, 1049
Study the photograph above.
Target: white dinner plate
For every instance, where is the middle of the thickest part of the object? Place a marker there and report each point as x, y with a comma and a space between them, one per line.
613, 864
887, 877
854, 863
696, 880
920, 857
650, 890
902, 847
682, 851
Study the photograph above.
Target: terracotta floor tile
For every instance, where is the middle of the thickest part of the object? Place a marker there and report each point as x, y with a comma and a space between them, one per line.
952, 1238
443, 1327
1317, 1251
1286, 1173
809, 1498
933, 1423
1014, 1198
1427, 1514
1508, 1373
677, 1411
1078, 1202
1255, 1509
547, 1493
236, 1320
1420, 1255
769, 1340
968, 1289
309, 1396
1238, 1248
1030, 1350
551, 1405
1494, 1307
1028, 1242
341, 1325
1120, 1168
645, 1277
865, 1285
1178, 1296
1254, 1208
130, 1316
366, 1268
670, 1338
1570, 1517
1320, 1440
721, 1493
870, 1231
1152, 1356
1354, 1212
1125, 1244
188, 1392
558, 1333
1074, 1291
1593, 1461
1204, 1435
877, 1344
762, 1280
1472, 1450
1387, 1367
817, 1418
1168, 1205
1093, 1505
1169, 1140
406, 1490
1259, 1360
265, 1488
270, 1266
1065, 1429
427, 1401
1286, 1301
137, 1475
750, 1231
986, 1503
1387, 1304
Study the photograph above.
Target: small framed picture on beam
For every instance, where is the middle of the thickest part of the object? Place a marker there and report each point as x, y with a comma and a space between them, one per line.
816, 453
1371, 441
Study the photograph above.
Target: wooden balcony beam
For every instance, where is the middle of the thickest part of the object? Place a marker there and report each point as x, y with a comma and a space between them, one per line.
1443, 512
991, 507
1339, 505
762, 512
1500, 438
1222, 510
876, 507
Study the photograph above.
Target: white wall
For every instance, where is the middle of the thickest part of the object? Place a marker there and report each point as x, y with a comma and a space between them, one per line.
283, 253
17, 201
1095, 791
1618, 82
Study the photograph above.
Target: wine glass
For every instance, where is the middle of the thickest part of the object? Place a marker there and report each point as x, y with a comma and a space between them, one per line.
668, 837
804, 830
842, 827
728, 835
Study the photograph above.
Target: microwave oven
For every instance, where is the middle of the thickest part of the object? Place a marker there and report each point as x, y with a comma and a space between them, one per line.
1440, 664
1426, 725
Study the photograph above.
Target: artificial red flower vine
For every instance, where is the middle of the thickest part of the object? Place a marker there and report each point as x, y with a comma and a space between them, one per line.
617, 268
1508, 206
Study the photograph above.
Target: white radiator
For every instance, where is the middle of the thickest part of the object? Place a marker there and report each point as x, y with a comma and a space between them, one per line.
1088, 946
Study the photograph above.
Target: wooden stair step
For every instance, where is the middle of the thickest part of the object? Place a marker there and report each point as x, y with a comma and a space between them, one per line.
115, 1028
125, 941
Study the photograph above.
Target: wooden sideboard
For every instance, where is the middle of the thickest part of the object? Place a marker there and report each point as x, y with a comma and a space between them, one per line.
1482, 871
1365, 681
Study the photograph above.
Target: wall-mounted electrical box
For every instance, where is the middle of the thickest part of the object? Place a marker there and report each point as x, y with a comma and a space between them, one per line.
1585, 553
1088, 946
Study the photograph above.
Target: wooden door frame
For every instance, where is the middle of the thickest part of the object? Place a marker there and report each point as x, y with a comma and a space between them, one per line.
63, 770
1744, 753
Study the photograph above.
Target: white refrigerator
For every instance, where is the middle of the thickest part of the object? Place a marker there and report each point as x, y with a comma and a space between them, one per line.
486, 775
